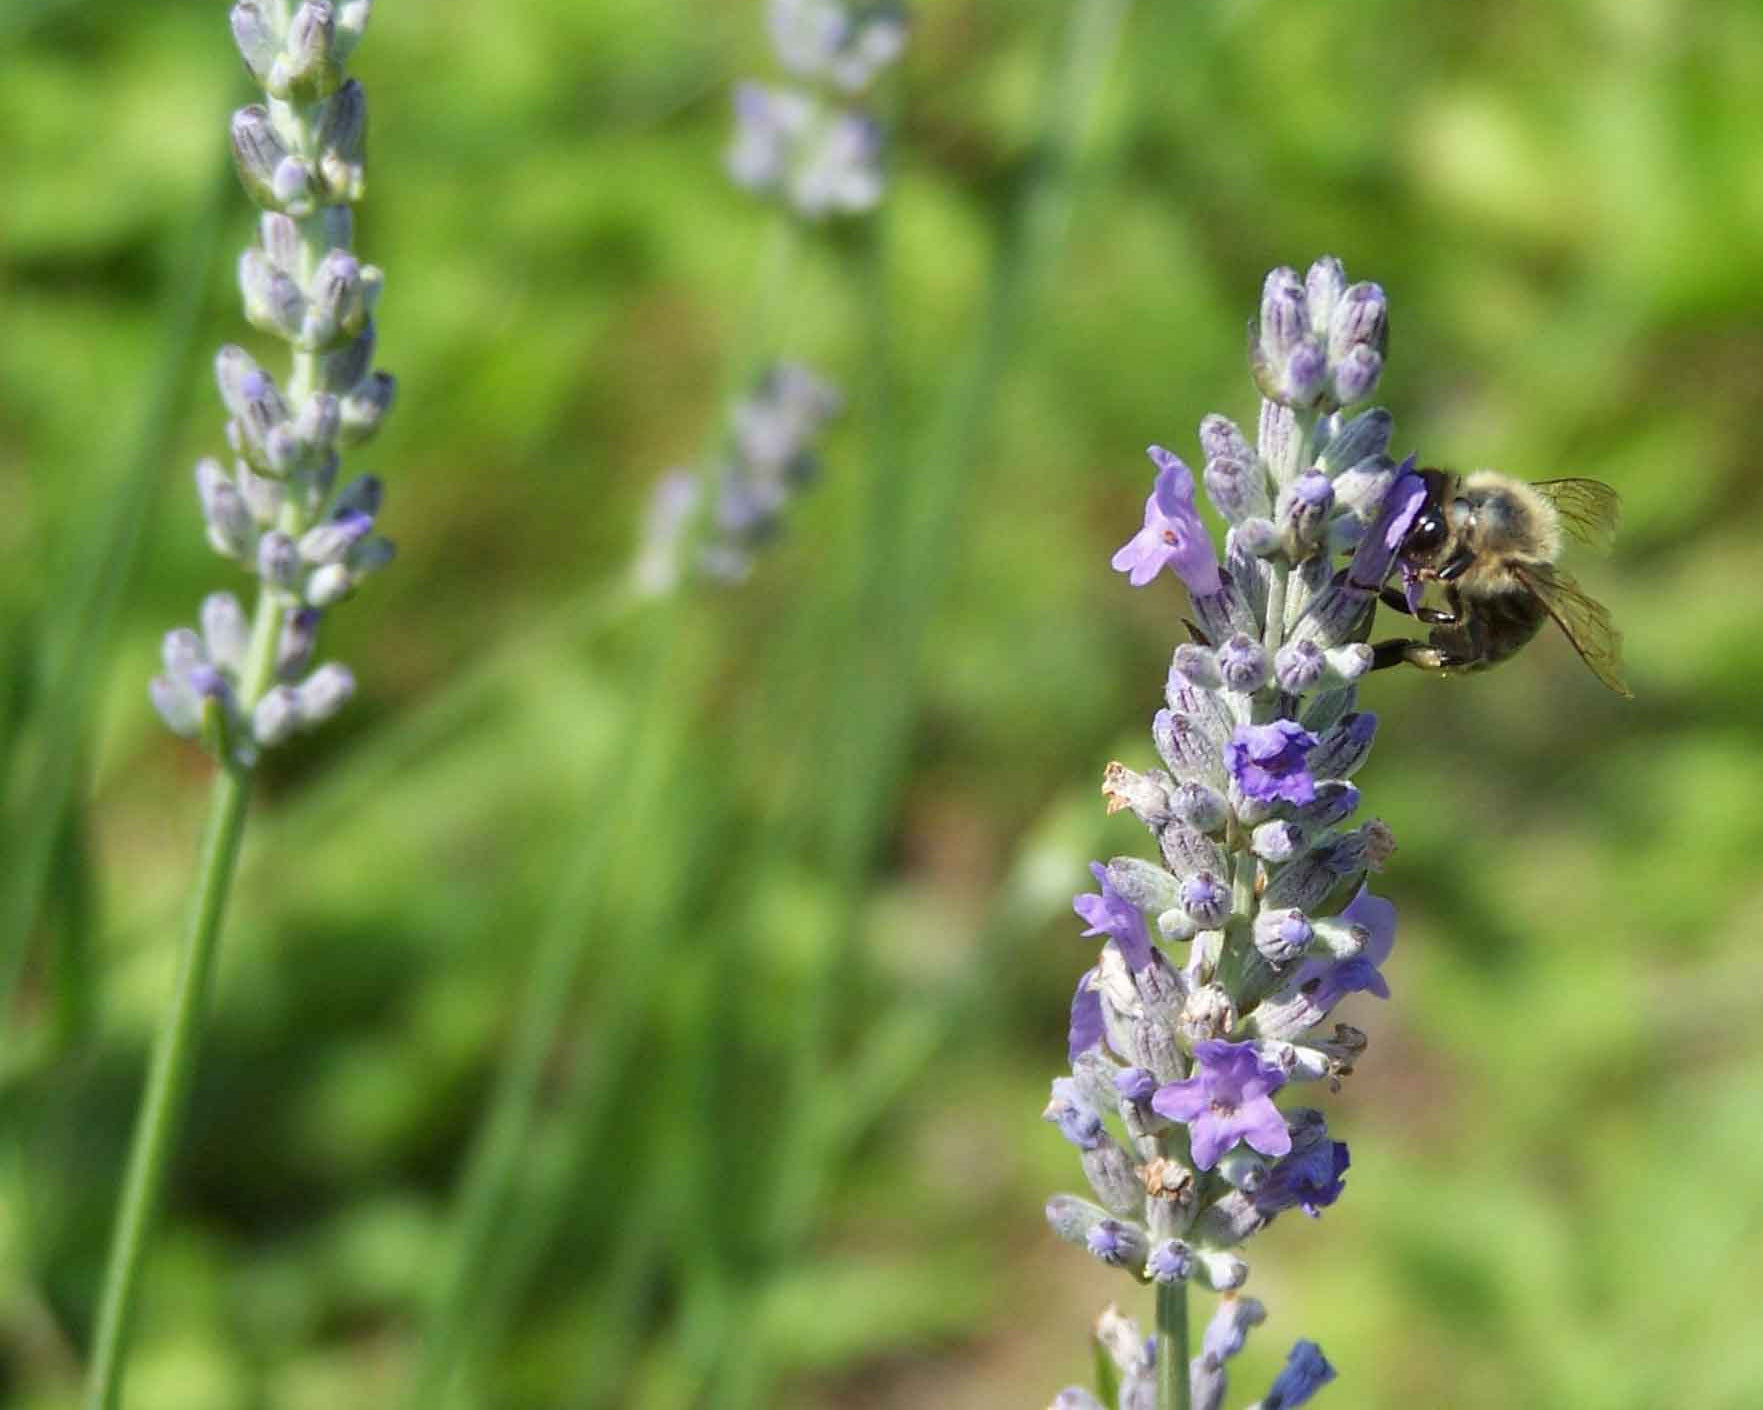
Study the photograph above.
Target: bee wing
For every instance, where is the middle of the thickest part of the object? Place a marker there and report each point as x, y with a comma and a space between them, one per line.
1589, 509
1585, 622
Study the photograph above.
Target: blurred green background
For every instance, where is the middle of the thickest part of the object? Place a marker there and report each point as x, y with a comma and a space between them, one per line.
806, 848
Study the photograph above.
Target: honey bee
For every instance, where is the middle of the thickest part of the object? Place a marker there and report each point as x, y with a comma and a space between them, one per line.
1492, 541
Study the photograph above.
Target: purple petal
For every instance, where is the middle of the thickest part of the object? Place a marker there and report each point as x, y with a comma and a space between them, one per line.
1086, 1018
1376, 553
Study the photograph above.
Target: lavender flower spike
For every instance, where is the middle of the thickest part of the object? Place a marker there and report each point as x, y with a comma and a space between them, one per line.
1173, 536
1179, 1061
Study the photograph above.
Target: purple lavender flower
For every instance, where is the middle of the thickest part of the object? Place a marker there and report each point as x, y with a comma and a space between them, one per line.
1069, 1110
1229, 1099
1268, 762
1170, 1262
1325, 982
1308, 1179
1113, 915
1173, 536
1086, 1018
1395, 516
1306, 1372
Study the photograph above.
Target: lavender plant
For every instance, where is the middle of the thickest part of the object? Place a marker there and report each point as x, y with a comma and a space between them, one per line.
242, 686
818, 156
705, 525
1177, 1058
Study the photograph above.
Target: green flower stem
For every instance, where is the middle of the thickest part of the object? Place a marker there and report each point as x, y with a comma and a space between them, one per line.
1172, 1347
180, 1035
469, 1303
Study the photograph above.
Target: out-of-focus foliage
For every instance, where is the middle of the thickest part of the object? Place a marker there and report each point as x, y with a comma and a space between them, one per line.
1557, 1139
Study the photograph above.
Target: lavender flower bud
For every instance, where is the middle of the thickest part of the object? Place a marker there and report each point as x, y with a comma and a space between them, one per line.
1117, 1243
1075, 1398
277, 717
352, 17
1206, 900
1136, 1084
1186, 748
1113, 1177
1144, 885
1306, 1372
1335, 615
1188, 853
1344, 748
1324, 284
1361, 319
1281, 442
1196, 666
1223, 1339
225, 632
1209, 1013
1242, 663
339, 302
329, 585
1355, 377
841, 172
298, 638
1237, 489
1328, 708
1341, 938
273, 301
1258, 538
1169, 1262
177, 705
293, 184
1235, 481
364, 406
342, 129
1242, 1169
341, 371
278, 236
1306, 374
1298, 666
1276, 841
1285, 320
1071, 1111
1334, 802
278, 561
258, 152
231, 529
331, 541
1282, 934
308, 68
255, 36
1202, 809
316, 426
769, 125
323, 693
1302, 514
1222, 1272
1364, 438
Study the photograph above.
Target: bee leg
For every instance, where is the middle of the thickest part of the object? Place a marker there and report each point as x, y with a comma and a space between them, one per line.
1399, 650
1430, 615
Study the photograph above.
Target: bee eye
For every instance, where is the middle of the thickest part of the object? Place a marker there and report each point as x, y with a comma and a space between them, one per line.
1427, 534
